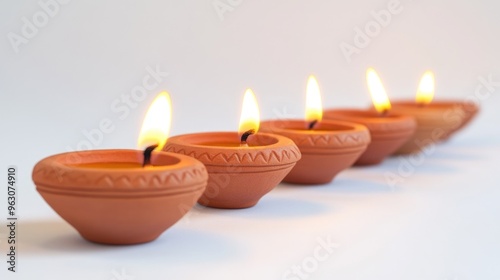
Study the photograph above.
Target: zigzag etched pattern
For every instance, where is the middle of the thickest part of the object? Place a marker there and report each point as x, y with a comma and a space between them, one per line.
65, 178
285, 156
331, 140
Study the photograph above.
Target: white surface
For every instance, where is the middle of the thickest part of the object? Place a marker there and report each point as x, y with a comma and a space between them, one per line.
440, 223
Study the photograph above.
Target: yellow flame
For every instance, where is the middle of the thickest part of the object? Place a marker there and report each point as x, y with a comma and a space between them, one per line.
156, 125
314, 109
377, 91
250, 117
425, 92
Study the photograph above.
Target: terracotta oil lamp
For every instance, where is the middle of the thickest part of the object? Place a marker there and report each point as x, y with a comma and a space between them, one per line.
123, 196
469, 109
327, 146
242, 166
388, 130
437, 120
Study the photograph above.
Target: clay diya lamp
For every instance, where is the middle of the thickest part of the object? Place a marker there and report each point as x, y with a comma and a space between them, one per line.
108, 197
242, 166
122, 196
436, 121
327, 146
388, 131
469, 109
459, 113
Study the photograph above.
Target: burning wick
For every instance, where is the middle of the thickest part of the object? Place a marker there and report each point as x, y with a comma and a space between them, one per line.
312, 124
384, 113
147, 155
245, 136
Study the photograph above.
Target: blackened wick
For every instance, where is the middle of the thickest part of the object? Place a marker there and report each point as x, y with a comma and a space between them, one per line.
312, 124
245, 135
147, 155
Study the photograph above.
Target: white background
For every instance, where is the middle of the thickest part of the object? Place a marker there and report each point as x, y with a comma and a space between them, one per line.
440, 222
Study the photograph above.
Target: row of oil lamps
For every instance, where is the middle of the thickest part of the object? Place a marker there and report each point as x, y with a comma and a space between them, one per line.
131, 196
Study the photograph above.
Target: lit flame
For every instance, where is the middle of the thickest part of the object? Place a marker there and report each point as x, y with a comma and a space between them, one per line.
377, 91
425, 92
156, 125
314, 109
250, 119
